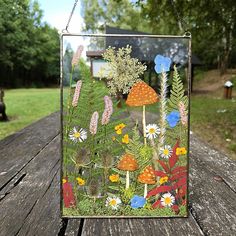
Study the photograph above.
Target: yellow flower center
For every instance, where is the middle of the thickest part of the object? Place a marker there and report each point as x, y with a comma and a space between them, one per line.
167, 200
77, 134
112, 202
152, 131
166, 151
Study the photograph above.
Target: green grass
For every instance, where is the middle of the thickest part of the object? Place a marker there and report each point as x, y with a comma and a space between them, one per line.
25, 106
214, 126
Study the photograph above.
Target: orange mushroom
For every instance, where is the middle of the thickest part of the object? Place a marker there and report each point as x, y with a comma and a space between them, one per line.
127, 163
142, 94
147, 177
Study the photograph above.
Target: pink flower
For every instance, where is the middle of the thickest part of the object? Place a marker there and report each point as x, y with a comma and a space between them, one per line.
77, 93
77, 55
183, 114
94, 123
107, 111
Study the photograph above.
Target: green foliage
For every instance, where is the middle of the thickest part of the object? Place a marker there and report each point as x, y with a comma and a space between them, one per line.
177, 93
29, 48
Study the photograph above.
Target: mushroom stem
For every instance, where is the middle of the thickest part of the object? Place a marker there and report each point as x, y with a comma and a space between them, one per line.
144, 126
145, 190
127, 180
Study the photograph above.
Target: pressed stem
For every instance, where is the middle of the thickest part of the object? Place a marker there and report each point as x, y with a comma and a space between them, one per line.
145, 190
127, 180
144, 126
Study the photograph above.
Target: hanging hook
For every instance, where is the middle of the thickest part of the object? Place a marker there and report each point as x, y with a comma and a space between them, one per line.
71, 14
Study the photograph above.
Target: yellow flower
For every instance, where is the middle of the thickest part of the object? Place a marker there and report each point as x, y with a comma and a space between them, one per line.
64, 181
114, 178
113, 138
163, 180
119, 128
119, 131
80, 181
181, 151
125, 139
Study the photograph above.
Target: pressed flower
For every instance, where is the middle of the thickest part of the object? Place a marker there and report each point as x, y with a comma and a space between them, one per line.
94, 123
152, 130
120, 126
114, 178
77, 55
125, 139
137, 201
183, 113
163, 180
80, 181
78, 135
162, 64
173, 118
119, 131
113, 202
167, 199
181, 151
166, 151
76, 93
107, 111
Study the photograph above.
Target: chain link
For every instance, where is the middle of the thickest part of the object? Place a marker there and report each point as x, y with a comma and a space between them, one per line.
71, 14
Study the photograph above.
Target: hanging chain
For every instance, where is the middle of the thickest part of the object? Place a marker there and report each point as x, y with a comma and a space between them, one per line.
182, 23
71, 14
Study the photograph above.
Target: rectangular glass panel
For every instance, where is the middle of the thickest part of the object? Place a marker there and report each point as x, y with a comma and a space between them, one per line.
125, 126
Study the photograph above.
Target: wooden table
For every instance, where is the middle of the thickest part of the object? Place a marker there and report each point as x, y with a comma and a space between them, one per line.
30, 193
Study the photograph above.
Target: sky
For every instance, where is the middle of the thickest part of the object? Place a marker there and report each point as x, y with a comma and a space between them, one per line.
56, 13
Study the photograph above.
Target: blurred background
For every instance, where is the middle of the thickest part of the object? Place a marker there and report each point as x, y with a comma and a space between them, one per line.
30, 55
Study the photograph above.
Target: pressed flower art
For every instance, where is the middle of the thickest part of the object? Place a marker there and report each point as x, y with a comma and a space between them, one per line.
124, 127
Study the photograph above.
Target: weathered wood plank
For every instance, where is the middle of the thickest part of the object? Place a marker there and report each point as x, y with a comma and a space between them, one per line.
216, 162
30, 196
73, 227
125, 227
212, 200
15, 155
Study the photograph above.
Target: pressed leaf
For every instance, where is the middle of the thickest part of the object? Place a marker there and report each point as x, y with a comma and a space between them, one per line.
164, 166
174, 158
178, 176
159, 189
179, 169
180, 183
157, 204
159, 173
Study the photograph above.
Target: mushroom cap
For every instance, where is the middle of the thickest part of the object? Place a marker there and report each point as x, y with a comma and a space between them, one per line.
147, 176
128, 163
141, 94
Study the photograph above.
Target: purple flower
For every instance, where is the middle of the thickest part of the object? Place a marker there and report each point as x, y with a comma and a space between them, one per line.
162, 64
173, 118
137, 201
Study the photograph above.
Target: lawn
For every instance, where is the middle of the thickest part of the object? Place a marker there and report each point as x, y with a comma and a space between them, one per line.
25, 106
214, 120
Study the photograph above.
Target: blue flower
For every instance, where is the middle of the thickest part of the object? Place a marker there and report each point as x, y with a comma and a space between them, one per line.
173, 118
137, 202
162, 64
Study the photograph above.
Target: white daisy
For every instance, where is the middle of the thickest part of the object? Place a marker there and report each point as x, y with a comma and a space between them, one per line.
166, 151
77, 135
113, 202
167, 199
152, 130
